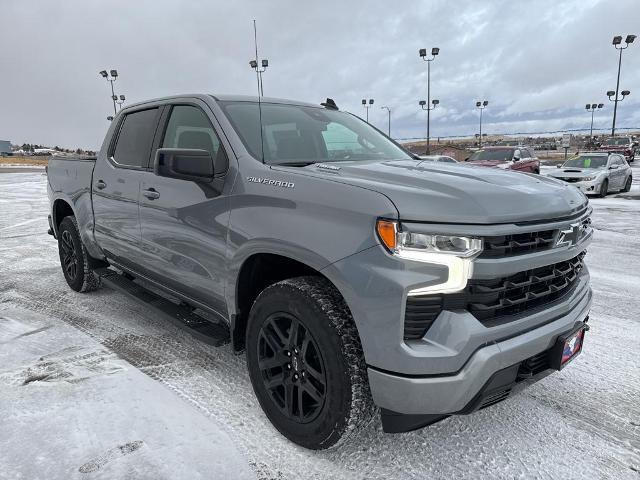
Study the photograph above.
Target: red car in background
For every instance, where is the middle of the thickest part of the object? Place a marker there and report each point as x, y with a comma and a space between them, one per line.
520, 158
623, 145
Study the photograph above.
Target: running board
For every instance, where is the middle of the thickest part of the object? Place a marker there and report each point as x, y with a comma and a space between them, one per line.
182, 316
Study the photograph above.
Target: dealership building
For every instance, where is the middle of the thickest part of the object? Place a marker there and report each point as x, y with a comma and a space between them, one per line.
5, 147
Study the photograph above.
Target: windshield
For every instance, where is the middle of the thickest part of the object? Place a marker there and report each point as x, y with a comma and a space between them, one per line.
616, 141
299, 134
500, 154
585, 161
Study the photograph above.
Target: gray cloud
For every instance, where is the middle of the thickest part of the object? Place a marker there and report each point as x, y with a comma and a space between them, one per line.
538, 63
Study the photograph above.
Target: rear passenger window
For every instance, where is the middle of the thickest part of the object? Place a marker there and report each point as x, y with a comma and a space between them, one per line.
189, 127
134, 141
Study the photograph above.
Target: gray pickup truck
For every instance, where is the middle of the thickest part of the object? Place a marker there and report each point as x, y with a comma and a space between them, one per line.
359, 279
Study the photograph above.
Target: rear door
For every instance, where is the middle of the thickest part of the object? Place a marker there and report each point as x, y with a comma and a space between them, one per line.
183, 222
116, 185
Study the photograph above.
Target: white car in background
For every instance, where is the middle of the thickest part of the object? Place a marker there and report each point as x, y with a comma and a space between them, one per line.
596, 173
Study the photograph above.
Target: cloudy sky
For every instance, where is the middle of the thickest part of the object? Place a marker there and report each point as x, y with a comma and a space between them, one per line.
537, 62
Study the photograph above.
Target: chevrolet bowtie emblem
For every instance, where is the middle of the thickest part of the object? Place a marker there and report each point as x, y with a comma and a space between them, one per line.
570, 236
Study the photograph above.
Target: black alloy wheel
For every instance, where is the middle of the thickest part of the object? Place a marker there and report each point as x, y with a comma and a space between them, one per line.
69, 255
306, 362
74, 258
292, 368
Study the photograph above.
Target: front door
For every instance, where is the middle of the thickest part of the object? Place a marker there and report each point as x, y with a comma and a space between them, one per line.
116, 185
184, 222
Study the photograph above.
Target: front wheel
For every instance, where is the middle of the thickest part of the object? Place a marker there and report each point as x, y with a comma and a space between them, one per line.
74, 258
604, 187
306, 364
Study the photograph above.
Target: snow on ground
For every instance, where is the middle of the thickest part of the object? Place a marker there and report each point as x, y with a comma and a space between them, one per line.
92, 386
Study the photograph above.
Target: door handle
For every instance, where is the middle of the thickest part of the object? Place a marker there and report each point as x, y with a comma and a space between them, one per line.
100, 185
151, 194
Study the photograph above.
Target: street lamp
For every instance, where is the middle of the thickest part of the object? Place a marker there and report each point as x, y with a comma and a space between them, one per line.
120, 101
593, 107
111, 77
389, 118
425, 106
617, 43
423, 54
367, 106
481, 106
254, 63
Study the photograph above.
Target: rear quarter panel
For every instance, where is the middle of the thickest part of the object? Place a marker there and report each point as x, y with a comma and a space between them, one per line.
69, 180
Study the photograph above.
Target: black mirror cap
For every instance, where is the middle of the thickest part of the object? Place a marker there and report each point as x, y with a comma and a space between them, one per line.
184, 163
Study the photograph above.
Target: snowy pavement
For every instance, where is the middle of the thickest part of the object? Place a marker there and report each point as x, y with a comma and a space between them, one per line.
92, 386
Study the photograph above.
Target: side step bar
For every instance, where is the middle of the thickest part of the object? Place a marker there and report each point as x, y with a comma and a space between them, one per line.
215, 334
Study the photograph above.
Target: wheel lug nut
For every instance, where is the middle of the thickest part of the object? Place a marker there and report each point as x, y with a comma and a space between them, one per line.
288, 353
289, 366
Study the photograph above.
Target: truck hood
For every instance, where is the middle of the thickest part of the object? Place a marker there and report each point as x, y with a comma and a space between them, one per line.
614, 148
458, 193
489, 163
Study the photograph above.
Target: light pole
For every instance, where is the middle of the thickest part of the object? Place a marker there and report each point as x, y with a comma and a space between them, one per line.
425, 106
593, 107
111, 77
367, 106
254, 63
617, 43
481, 106
389, 120
120, 102
423, 55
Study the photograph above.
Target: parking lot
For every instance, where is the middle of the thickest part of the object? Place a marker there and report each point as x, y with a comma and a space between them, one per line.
158, 404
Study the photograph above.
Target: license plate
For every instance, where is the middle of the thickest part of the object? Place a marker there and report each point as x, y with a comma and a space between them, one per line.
568, 346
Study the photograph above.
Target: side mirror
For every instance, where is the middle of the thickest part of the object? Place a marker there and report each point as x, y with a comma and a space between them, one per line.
613, 167
559, 165
517, 155
184, 163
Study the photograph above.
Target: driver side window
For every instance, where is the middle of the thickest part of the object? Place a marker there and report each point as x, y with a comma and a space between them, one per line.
189, 127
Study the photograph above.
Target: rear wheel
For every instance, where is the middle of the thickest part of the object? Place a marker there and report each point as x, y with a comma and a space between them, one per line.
627, 185
604, 188
74, 258
306, 363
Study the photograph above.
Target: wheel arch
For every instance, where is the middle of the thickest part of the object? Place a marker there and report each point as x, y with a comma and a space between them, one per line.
259, 269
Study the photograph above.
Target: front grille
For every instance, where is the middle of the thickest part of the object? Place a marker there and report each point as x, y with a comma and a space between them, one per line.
571, 179
491, 300
516, 244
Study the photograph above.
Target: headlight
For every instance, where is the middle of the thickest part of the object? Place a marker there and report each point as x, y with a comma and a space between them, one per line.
454, 251
587, 179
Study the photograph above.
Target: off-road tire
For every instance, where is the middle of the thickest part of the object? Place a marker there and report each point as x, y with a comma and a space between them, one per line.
81, 278
321, 310
627, 185
604, 189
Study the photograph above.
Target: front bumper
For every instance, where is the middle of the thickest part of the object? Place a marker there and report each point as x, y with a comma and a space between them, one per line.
588, 188
443, 395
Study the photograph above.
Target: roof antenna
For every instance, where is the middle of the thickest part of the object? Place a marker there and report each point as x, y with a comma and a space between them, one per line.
330, 104
255, 41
